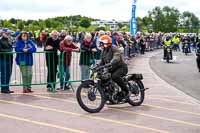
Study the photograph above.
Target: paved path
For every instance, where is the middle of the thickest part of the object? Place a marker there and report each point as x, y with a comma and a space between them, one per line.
165, 110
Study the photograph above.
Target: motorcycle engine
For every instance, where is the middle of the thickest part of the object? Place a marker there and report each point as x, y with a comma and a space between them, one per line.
106, 76
115, 96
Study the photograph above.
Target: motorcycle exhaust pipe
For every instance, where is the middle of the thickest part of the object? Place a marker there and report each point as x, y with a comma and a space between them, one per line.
145, 89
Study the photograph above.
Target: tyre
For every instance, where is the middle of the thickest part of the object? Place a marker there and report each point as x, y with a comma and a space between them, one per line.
168, 56
90, 98
138, 98
186, 52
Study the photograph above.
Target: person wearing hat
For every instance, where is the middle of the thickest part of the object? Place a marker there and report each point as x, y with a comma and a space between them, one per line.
6, 61
111, 55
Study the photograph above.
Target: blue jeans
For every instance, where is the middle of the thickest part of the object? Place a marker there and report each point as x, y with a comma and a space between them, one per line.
85, 72
6, 71
176, 46
65, 75
126, 52
134, 50
193, 45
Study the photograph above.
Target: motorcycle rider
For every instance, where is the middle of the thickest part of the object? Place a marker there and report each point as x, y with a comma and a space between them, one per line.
186, 40
176, 42
198, 55
111, 55
167, 42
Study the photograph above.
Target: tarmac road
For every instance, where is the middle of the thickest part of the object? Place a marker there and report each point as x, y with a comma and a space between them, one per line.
181, 73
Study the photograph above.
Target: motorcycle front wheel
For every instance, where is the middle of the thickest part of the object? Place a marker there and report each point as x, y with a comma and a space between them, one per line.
90, 97
168, 56
186, 53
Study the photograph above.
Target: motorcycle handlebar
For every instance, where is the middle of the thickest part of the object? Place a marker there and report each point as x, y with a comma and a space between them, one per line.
97, 67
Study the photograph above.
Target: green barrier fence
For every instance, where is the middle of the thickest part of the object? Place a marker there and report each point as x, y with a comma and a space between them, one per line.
78, 63
45, 69
23, 73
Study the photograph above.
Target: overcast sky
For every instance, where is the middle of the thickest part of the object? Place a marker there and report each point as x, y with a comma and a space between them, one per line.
102, 9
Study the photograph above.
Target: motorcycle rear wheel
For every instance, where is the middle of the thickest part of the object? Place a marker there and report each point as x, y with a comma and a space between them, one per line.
140, 95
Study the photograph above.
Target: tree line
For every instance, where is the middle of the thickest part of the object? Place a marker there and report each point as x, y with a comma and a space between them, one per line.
169, 19
166, 19
59, 23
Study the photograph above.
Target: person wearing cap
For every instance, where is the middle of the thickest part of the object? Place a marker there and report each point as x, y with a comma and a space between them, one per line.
51, 47
6, 61
111, 55
66, 47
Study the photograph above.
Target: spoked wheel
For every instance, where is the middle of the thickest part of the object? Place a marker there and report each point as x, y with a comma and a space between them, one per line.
90, 97
138, 93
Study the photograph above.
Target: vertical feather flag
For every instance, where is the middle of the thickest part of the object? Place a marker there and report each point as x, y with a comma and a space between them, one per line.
133, 22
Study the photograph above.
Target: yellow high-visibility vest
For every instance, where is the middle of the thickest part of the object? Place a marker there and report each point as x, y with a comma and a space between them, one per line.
36, 34
176, 40
167, 43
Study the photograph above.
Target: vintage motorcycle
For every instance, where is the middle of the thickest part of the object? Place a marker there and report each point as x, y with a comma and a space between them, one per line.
99, 90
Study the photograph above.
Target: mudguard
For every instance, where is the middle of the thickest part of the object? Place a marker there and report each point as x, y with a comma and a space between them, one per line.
86, 83
135, 77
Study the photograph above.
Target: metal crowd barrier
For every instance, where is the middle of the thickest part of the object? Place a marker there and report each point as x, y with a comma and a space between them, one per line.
40, 70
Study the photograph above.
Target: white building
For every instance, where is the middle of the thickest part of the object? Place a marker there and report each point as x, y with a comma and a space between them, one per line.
113, 24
